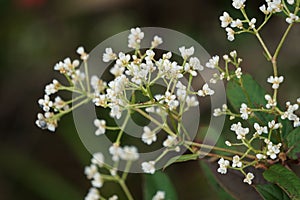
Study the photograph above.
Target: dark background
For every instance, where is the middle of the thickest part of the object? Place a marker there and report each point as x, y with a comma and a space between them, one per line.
35, 34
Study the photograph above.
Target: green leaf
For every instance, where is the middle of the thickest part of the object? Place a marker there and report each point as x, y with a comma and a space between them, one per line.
250, 93
287, 127
271, 192
221, 193
34, 176
182, 158
158, 182
285, 179
293, 142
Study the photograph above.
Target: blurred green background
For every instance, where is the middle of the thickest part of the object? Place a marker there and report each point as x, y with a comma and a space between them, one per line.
35, 34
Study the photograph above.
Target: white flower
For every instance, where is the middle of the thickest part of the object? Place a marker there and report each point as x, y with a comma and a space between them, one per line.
237, 23
100, 100
217, 112
108, 55
181, 91
273, 150
170, 141
188, 68
156, 41
185, 53
115, 151
228, 143
97, 84
273, 125
45, 103
93, 194
226, 58
252, 23
195, 64
90, 171
291, 2
206, 91
239, 130
260, 129
167, 55
245, 111
123, 59
77, 76
113, 171
160, 195
238, 4
60, 104
248, 179
236, 161
170, 99
274, 6
230, 33
191, 101
148, 136
225, 20
44, 121
238, 72
271, 102
97, 180
115, 111
223, 164
289, 113
98, 159
100, 124
52, 88
275, 81
129, 153
135, 37
82, 53
114, 197
297, 122
264, 9
260, 156
292, 18
213, 62
148, 167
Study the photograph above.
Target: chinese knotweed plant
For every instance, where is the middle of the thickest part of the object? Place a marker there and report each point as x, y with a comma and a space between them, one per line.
259, 120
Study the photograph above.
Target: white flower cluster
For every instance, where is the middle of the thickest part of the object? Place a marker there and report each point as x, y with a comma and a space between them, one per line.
230, 59
139, 72
127, 153
54, 109
236, 164
237, 26
290, 113
277, 6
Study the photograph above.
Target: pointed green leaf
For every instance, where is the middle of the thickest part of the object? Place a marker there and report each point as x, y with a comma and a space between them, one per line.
271, 192
293, 142
182, 158
250, 93
285, 179
158, 182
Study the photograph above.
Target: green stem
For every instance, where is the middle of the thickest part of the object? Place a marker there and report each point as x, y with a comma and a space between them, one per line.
125, 189
125, 173
218, 149
87, 76
165, 128
281, 42
123, 127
